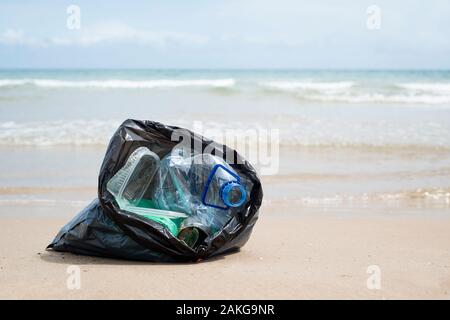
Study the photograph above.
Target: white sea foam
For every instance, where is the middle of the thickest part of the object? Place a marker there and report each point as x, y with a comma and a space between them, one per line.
348, 92
436, 87
295, 133
311, 86
93, 132
380, 98
435, 196
120, 84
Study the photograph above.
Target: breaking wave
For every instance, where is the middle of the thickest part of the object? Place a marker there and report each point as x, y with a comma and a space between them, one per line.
437, 87
119, 84
311, 86
352, 92
308, 134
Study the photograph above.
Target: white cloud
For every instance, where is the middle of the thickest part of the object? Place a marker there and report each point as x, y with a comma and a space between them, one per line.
17, 37
265, 40
118, 32
104, 33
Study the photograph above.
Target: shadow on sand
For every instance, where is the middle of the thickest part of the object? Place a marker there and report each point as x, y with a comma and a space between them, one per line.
71, 258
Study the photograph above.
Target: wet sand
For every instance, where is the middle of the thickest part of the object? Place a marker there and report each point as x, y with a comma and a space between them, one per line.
291, 255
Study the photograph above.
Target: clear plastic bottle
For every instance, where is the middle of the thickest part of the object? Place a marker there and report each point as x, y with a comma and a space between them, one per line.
191, 196
204, 187
129, 184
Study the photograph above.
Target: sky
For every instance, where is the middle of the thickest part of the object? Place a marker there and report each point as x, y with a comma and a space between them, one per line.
250, 34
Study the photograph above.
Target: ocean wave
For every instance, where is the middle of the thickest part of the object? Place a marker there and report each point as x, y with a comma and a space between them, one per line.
312, 133
352, 92
436, 87
439, 197
308, 86
414, 93
94, 132
380, 98
120, 84
381, 147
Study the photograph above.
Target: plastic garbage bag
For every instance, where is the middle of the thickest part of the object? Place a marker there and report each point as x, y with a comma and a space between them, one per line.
144, 223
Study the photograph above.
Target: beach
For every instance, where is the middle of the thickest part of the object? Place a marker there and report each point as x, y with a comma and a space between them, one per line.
297, 255
355, 168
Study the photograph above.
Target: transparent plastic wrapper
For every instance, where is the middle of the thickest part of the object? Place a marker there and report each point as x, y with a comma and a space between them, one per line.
153, 197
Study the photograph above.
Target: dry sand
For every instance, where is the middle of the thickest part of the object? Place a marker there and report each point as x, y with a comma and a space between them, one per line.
287, 257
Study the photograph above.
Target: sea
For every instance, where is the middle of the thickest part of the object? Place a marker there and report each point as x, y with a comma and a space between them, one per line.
332, 139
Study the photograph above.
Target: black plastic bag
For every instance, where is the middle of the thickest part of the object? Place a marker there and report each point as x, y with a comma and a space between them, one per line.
103, 229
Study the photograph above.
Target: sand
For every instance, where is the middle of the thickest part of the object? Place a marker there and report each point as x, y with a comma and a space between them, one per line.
289, 256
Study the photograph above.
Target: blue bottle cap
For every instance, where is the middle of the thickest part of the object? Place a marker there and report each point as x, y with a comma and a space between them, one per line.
233, 194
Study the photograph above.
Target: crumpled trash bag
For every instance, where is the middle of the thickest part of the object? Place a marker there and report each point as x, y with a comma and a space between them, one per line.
103, 229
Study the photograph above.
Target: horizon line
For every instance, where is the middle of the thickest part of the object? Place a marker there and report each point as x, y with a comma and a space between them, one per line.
214, 69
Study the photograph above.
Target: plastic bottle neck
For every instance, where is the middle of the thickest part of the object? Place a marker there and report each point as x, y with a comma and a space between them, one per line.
228, 192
